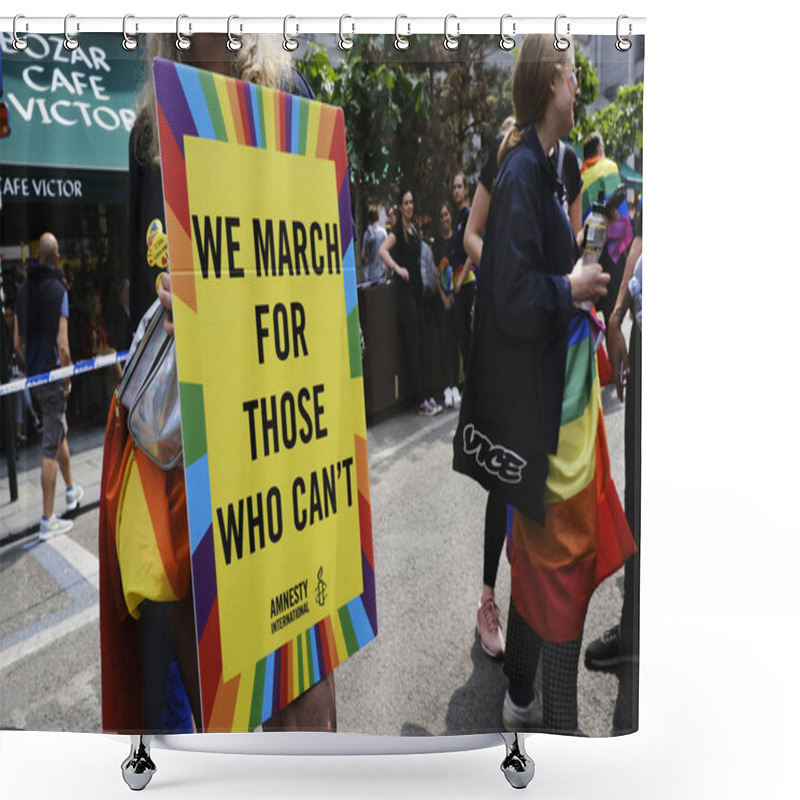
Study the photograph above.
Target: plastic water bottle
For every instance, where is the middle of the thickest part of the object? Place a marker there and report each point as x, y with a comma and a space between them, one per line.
595, 235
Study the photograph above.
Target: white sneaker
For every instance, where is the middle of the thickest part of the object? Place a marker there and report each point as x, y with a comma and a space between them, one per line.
55, 526
434, 406
522, 718
425, 409
448, 397
74, 496
456, 397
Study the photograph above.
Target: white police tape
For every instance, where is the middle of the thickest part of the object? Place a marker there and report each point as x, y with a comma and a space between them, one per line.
89, 365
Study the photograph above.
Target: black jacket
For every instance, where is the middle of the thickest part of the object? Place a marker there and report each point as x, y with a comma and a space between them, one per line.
39, 307
511, 408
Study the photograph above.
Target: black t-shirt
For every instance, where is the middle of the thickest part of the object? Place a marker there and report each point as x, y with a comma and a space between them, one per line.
145, 209
406, 252
570, 172
459, 254
489, 172
442, 248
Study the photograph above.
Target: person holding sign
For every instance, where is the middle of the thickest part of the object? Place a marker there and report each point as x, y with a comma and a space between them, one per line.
146, 608
400, 252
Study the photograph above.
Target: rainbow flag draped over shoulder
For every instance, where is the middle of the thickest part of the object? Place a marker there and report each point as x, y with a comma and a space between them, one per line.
556, 567
599, 174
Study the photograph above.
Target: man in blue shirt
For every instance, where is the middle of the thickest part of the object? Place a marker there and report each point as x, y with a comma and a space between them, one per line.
40, 339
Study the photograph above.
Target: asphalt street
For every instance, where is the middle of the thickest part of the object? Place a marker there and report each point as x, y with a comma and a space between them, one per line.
425, 673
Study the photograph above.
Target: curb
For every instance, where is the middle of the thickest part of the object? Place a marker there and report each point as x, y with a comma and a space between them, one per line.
14, 537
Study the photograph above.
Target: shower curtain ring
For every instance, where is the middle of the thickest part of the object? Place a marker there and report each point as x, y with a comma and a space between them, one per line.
561, 42
289, 44
20, 44
234, 44
623, 45
70, 42
182, 42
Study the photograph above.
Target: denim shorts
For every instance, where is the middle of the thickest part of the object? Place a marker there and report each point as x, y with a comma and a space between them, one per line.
53, 403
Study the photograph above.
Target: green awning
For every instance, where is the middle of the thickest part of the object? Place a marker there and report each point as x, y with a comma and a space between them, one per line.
630, 176
69, 112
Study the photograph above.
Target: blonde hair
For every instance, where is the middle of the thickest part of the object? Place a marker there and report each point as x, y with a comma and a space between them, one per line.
536, 66
260, 59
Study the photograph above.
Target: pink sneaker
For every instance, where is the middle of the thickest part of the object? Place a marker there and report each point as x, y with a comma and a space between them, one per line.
490, 629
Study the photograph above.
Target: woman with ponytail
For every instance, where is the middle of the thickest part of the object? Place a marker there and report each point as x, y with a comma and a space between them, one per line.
531, 428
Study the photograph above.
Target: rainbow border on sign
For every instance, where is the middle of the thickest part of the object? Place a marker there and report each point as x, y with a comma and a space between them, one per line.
205, 105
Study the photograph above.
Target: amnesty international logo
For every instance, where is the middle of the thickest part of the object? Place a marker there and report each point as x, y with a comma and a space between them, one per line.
321, 589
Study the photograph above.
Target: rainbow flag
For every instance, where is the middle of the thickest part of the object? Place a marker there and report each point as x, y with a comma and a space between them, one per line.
599, 174
556, 567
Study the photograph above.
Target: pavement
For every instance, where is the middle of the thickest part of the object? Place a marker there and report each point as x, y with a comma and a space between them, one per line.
21, 518
425, 673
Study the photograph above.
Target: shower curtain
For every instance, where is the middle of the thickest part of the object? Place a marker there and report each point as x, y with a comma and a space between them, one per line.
310, 208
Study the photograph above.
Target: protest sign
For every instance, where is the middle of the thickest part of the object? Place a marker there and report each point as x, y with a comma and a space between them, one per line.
260, 243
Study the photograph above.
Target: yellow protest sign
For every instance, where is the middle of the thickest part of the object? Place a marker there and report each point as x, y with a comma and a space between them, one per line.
266, 317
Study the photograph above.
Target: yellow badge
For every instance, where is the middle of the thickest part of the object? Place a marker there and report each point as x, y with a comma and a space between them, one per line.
153, 229
157, 255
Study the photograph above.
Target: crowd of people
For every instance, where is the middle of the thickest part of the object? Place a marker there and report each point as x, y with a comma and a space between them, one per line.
518, 360
439, 272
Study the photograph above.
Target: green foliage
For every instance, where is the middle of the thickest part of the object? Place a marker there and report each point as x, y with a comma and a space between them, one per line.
589, 84
376, 97
414, 118
620, 124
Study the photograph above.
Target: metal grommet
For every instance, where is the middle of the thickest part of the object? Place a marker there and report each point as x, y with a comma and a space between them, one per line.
182, 42
70, 42
401, 42
451, 42
128, 42
234, 43
561, 43
289, 44
20, 44
346, 42
623, 45
506, 42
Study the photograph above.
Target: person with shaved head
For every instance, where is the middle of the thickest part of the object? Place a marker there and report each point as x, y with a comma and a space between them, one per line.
40, 339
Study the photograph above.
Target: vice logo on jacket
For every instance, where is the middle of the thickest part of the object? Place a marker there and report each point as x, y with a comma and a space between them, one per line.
493, 458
